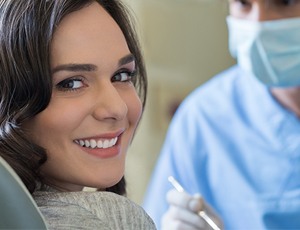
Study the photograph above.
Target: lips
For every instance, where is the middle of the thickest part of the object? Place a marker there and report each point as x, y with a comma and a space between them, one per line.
97, 143
103, 146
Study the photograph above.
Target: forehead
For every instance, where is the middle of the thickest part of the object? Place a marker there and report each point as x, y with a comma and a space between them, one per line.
88, 35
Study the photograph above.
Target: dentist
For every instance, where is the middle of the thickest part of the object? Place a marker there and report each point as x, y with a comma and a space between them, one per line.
235, 139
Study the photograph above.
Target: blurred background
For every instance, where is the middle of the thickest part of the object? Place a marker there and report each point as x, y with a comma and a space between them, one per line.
185, 44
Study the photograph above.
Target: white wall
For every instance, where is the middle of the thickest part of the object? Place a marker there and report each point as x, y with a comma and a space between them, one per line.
185, 43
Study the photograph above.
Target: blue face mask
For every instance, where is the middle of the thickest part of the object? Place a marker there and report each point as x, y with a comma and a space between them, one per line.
269, 50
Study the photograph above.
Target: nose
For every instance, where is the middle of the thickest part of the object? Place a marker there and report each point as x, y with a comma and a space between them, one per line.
262, 11
109, 104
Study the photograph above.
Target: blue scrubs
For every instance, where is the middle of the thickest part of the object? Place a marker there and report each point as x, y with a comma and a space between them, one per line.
231, 141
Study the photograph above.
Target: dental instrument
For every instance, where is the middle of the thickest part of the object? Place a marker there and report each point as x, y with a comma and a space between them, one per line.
201, 213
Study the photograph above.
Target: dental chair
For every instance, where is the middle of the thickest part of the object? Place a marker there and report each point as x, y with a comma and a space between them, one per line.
17, 208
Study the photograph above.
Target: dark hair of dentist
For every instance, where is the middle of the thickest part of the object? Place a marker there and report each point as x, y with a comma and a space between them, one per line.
26, 82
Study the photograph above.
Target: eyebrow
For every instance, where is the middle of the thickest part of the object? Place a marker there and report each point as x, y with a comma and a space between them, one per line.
73, 67
127, 59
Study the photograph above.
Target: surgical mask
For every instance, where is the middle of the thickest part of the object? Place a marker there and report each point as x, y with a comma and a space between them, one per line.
269, 50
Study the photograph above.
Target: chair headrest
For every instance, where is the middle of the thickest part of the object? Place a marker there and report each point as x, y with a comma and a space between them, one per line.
17, 207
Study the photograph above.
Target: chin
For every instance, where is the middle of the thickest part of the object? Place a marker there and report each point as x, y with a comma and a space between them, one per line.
108, 181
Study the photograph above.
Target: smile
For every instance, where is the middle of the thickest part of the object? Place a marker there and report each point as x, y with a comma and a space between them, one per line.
100, 144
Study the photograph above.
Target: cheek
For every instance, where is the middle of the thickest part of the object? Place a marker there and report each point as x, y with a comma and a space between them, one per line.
56, 120
134, 106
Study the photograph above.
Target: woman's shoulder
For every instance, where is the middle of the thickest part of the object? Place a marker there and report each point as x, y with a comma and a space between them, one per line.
91, 209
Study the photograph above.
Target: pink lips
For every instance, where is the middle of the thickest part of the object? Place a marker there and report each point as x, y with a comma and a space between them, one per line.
104, 153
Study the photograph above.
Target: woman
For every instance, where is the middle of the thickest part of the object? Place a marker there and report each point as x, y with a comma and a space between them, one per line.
73, 87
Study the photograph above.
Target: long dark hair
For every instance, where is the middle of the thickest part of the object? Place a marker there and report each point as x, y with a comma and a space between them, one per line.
26, 31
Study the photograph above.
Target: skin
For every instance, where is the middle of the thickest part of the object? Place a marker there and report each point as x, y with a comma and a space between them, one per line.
262, 10
93, 98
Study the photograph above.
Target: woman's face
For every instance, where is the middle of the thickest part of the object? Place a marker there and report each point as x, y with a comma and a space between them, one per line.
94, 110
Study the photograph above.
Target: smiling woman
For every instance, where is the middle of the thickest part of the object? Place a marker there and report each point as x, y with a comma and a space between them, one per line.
73, 88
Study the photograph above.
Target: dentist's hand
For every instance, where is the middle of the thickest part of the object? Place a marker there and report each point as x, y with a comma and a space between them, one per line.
182, 213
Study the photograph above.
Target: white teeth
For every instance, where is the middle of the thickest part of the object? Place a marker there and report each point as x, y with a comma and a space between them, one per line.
93, 144
97, 144
81, 142
100, 144
106, 144
87, 143
111, 142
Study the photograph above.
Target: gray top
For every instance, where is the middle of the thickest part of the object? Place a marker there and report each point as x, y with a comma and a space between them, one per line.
91, 210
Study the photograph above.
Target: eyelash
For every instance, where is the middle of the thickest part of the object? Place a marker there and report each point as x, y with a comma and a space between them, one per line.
241, 3
64, 85
130, 76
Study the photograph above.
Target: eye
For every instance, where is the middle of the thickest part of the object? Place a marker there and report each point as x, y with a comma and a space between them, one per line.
241, 4
124, 76
71, 84
288, 2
